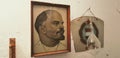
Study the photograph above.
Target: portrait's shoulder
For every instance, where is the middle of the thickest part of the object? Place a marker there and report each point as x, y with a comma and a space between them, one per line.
62, 46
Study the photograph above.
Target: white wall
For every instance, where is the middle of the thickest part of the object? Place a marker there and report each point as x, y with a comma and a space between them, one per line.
15, 22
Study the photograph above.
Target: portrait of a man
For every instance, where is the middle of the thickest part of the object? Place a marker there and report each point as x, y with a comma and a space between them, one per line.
49, 25
50, 30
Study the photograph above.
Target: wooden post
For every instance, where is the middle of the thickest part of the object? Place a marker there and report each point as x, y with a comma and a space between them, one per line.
12, 48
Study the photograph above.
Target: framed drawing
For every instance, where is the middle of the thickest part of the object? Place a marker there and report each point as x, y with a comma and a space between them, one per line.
50, 28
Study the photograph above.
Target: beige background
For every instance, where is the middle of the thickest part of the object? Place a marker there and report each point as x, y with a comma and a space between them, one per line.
15, 21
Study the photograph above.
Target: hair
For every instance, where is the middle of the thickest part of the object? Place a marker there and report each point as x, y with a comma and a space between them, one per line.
41, 18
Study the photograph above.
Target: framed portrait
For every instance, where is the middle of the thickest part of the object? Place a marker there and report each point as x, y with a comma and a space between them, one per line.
50, 28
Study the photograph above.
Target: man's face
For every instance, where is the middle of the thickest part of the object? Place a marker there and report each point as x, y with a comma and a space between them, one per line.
54, 26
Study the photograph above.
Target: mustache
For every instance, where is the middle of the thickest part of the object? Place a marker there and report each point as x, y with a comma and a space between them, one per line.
61, 31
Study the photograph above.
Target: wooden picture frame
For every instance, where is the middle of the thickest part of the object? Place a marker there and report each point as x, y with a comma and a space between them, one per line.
50, 28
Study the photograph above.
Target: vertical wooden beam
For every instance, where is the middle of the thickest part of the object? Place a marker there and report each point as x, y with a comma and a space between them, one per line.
12, 48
